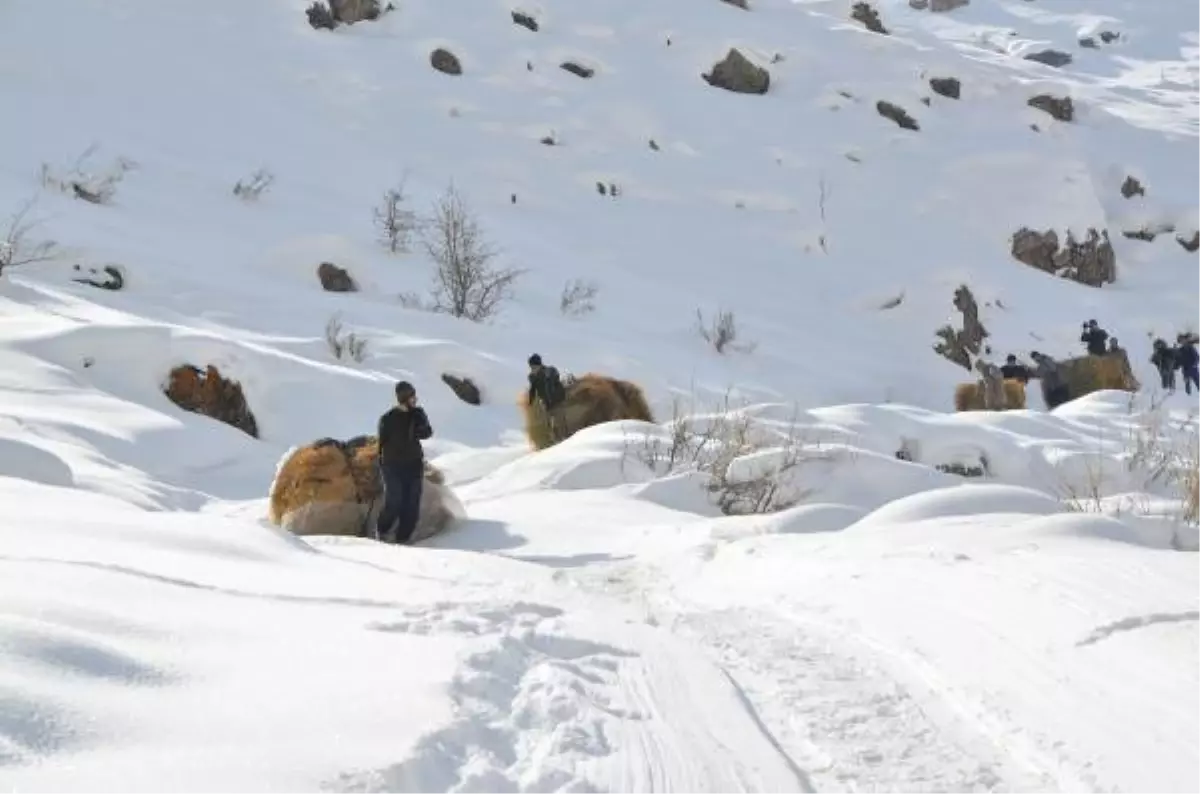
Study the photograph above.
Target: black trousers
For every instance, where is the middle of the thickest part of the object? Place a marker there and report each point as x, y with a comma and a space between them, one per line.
402, 486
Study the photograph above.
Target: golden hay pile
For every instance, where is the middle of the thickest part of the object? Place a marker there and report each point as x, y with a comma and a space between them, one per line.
591, 400
1086, 374
969, 396
333, 488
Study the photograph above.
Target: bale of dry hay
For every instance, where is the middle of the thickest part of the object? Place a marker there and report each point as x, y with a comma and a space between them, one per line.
207, 392
1086, 374
591, 399
969, 396
332, 487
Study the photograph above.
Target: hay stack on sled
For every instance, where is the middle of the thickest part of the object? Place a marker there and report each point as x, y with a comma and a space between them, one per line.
591, 400
969, 396
332, 487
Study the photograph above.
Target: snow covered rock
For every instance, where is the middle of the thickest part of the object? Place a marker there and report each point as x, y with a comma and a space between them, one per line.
207, 392
332, 487
335, 279
463, 388
866, 14
949, 87
1060, 108
736, 73
897, 114
445, 61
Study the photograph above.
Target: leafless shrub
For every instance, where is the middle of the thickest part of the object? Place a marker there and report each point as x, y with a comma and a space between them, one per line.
344, 345
721, 332
251, 187
95, 187
467, 282
823, 193
578, 298
750, 467
395, 223
17, 247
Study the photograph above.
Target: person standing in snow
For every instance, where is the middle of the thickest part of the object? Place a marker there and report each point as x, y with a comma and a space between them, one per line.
1013, 370
1163, 359
546, 386
1049, 371
1188, 360
402, 464
1094, 337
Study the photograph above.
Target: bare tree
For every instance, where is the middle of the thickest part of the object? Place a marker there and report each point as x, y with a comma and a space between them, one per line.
251, 187
344, 345
467, 282
396, 224
578, 298
16, 247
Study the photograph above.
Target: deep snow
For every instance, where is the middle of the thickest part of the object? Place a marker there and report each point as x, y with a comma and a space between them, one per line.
597, 624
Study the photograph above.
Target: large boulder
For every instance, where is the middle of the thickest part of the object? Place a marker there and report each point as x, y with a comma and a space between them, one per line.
332, 487
207, 392
350, 11
591, 400
335, 279
445, 62
737, 74
1090, 261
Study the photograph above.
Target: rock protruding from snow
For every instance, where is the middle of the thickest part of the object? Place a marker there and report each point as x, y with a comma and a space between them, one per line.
960, 346
577, 69
897, 114
1132, 187
948, 87
525, 20
113, 278
328, 15
208, 393
445, 61
464, 388
1190, 244
335, 279
866, 15
736, 73
1090, 261
941, 6
1054, 58
1061, 108
332, 487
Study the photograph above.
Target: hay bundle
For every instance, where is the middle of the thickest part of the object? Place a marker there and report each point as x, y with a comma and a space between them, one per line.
591, 400
1086, 374
331, 487
969, 396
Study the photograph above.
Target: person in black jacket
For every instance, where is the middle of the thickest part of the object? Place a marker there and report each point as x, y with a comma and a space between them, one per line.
1188, 360
1094, 337
402, 463
1164, 361
1015, 371
546, 386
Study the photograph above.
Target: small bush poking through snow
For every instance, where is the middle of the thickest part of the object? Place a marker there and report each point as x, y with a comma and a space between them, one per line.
467, 282
344, 345
17, 247
395, 223
721, 332
578, 298
93, 187
750, 466
251, 187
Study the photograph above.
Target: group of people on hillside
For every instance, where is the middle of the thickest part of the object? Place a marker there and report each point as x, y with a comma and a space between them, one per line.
1183, 356
402, 458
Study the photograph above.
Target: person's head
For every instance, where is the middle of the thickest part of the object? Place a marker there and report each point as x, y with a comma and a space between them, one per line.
535, 362
1160, 343
1011, 359
1035, 355
405, 393
1092, 324
1112, 341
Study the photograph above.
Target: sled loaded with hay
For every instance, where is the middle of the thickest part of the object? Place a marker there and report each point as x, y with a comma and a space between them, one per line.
591, 399
970, 396
333, 487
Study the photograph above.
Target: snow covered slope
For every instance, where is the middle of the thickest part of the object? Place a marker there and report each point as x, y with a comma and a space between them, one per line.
597, 624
